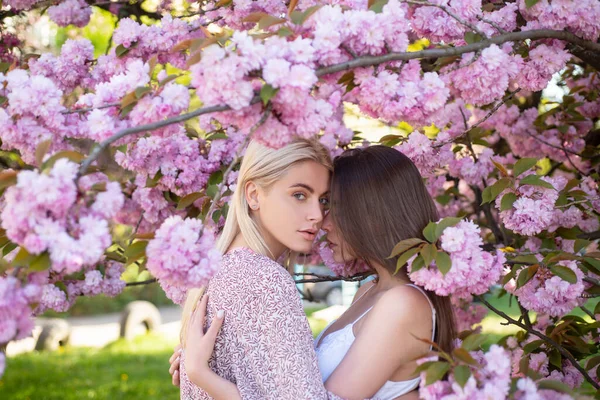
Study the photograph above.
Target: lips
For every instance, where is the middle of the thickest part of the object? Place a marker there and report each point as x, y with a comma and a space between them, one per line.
308, 234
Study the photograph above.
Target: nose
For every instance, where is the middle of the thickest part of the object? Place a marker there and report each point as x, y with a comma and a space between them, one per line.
315, 213
327, 224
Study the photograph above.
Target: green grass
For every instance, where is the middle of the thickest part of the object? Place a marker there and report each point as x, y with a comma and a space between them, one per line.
121, 370
139, 369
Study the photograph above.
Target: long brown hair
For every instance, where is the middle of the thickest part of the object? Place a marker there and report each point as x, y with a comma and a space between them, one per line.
385, 201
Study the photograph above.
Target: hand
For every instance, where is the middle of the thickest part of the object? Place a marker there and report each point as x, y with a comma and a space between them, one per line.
174, 368
200, 345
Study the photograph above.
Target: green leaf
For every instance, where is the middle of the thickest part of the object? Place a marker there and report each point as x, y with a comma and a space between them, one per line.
152, 182
417, 264
595, 263
68, 154
4, 66
523, 165
127, 109
8, 178
526, 274
473, 342
121, 50
428, 252
23, 258
472, 37
136, 250
404, 258
41, 151
443, 262
531, 3
217, 136
594, 361
429, 232
168, 79
378, 5
554, 385
564, 273
284, 31
268, 20
216, 178
580, 244
267, 92
507, 201
462, 373
529, 259
8, 248
535, 180
491, 192
186, 201
445, 223
142, 91
211, 191
404, 245
436, 371
464, 356
532, 346
41, 262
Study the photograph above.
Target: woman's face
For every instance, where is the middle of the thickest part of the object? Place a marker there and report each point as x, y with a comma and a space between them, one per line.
291, 211
341, 251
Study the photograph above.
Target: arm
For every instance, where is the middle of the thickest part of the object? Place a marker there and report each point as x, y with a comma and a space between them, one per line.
376, 354
275, 340
199, 347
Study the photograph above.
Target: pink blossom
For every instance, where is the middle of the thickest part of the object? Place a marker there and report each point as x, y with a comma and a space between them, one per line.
550, 294
182, 253
473, 270
71, 12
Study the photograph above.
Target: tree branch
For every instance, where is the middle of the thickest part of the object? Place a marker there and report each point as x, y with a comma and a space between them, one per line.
545, 338
150, 127
447, 11
481, 121
146, 282
368, 61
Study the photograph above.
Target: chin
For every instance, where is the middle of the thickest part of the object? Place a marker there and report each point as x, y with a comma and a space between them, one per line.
301, 247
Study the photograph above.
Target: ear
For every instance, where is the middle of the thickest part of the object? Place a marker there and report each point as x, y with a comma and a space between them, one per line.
251, 193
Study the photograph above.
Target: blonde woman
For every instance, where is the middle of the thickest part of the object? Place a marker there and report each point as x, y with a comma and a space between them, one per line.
265, 343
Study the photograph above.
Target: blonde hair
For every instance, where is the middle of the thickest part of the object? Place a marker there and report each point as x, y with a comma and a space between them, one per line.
264, 166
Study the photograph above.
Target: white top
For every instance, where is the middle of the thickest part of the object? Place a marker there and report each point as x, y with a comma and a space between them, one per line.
334, 347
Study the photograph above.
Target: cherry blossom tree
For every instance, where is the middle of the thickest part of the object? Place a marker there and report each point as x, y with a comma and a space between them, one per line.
129, 157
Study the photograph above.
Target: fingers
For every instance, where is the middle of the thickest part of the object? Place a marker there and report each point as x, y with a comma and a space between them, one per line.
215, 327
176, 353
175, 378
198, 316
174, 366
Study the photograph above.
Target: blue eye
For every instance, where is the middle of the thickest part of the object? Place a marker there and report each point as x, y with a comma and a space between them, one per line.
299, 196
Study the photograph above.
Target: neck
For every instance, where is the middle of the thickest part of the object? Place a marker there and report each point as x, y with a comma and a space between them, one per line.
385, 279
274, 251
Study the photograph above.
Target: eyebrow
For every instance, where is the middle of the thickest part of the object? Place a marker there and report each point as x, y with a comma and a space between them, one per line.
305, 186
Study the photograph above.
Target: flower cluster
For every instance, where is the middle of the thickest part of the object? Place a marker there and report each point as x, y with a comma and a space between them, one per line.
183, 253
340, 269
548, 293
473, 270
145, 41
492, 380
32, 115
45, 212
71, 12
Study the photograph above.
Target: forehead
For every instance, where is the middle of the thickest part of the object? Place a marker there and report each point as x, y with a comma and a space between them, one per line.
309, 173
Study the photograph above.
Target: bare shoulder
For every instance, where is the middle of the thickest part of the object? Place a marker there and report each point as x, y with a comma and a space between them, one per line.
402, 303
